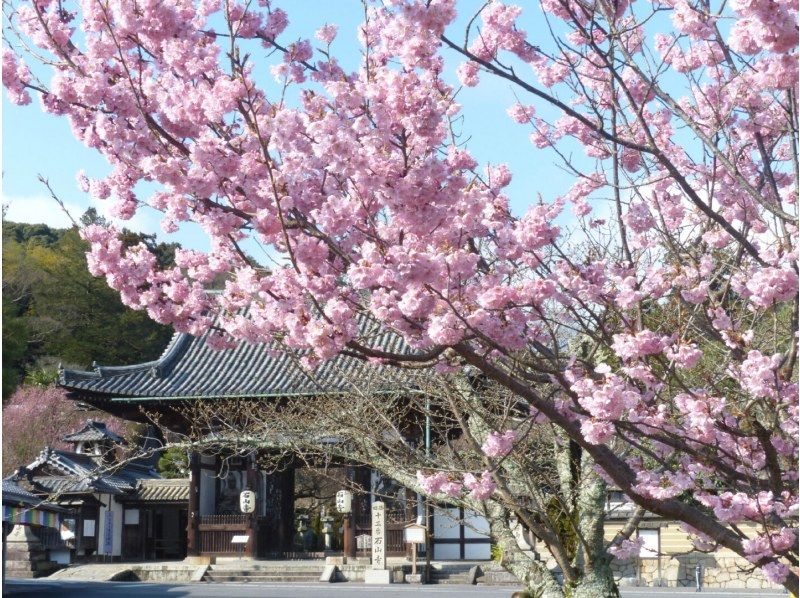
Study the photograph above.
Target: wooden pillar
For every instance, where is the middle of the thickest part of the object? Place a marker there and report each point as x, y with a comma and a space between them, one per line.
411, 517
349, 536
251, 483
286, 525
361, 517
193, 520
429, 537
348, 521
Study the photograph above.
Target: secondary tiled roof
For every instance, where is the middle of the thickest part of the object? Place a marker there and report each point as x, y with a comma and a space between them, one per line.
14, 495
82, 473
61, 485
174, 490
189, 368
94, 431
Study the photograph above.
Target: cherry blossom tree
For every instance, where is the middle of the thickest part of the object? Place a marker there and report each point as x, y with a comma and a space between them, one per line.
666, 320
39, 416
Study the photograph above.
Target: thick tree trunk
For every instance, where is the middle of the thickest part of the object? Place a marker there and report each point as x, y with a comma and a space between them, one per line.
592, 559
595, 583
585, 492
538, 579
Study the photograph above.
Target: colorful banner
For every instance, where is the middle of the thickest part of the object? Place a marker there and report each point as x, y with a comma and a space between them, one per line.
30, 516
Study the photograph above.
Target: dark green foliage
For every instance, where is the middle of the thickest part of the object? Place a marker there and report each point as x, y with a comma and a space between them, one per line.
15, 347
41, 376
36, 234
53, 308
174, 463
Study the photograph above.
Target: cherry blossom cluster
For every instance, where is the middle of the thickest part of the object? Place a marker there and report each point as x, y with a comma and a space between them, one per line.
499, 445
477, 487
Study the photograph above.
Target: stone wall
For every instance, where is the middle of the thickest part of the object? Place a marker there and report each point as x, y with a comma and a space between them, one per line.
679, 571
676, 565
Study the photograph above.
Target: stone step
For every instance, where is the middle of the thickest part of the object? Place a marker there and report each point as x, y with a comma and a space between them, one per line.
260, 578
267, 569
242, 572
245, 573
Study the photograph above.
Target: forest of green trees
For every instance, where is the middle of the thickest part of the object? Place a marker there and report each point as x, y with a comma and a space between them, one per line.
54, 311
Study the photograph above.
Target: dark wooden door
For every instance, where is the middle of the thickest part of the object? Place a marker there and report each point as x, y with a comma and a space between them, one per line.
133, 541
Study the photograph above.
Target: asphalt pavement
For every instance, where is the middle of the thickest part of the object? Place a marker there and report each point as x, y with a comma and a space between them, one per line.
85, 589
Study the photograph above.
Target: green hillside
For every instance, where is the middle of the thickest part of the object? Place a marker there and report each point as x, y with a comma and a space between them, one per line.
55, 311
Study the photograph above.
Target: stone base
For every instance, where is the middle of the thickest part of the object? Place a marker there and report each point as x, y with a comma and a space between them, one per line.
415, 578
25, 556
377, 576
334, 560
199, 560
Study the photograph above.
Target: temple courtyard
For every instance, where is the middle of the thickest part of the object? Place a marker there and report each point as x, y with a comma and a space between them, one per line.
84, 589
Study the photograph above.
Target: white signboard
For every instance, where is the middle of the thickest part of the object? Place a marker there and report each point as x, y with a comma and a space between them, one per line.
344, 501
88, 528
240, 539
414, 534
247, 501
378, 535
131, 516
363, 542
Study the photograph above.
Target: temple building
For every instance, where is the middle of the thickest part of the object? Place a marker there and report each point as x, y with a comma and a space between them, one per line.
189, 370
110, 509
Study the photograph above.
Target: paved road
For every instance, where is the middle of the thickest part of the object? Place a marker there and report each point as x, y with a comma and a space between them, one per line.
85, 589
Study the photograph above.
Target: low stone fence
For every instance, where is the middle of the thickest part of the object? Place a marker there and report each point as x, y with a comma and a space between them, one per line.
680, 571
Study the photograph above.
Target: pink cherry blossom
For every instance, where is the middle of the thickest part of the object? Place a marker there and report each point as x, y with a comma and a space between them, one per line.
770, 285
627, 548
634, 346
684, 355
438, 483
327, 33
499, 445
480, 488
15, 77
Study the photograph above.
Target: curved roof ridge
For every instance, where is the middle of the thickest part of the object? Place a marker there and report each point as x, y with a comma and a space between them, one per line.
159, 367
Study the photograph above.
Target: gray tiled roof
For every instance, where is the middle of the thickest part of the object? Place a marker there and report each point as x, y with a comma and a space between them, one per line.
189, 368
61, 485
175, 490
16, 496
13, 494
94, 431
82, 473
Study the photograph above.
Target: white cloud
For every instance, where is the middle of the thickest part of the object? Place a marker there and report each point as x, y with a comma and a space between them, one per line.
40, 209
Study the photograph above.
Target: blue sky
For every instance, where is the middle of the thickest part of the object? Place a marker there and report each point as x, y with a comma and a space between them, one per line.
36, 143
